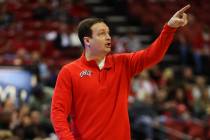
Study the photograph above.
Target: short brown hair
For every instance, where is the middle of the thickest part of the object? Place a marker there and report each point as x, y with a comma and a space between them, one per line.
84, 28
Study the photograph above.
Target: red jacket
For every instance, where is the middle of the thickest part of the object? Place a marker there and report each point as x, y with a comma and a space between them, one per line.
97, 100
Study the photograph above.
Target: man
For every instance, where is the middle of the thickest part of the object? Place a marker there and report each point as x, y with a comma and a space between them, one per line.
93, 90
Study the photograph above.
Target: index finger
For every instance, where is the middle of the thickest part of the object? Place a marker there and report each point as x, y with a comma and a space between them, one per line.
184, 9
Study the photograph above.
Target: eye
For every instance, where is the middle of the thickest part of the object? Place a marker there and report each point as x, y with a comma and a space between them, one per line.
102, 33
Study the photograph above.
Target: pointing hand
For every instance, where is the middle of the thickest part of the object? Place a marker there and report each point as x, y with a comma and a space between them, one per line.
179, 18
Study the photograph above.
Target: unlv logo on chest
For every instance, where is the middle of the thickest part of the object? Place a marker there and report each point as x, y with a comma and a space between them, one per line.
85, 73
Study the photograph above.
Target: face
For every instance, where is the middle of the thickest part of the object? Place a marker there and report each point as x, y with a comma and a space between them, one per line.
100, 42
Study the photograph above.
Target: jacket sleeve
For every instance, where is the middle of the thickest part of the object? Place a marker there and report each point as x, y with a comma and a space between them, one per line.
150, 56
61, 105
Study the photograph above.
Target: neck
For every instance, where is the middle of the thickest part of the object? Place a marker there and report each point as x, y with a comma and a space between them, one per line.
91, 56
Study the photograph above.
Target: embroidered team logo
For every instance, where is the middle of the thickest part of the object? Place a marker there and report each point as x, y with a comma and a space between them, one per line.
85, 73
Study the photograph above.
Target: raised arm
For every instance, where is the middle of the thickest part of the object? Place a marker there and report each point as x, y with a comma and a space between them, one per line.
155, 52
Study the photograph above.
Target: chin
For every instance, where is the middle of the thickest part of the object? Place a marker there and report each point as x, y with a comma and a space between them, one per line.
107, 50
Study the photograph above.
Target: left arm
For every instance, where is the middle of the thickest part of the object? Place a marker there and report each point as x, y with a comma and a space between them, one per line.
140, 60
156, 51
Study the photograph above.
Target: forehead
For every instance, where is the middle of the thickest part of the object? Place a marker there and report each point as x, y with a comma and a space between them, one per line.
101, 26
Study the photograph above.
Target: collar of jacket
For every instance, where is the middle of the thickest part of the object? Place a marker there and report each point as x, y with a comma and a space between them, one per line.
92, 63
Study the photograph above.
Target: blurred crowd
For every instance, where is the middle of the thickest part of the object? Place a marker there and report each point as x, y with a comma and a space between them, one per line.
27, 120
170, 98
168, 101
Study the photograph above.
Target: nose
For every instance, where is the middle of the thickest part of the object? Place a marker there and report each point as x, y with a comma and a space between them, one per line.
108, 37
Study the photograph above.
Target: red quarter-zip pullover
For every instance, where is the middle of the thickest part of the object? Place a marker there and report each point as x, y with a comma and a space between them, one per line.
97, 100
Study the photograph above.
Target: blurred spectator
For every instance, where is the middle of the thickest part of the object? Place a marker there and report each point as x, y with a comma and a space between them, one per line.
39, 67
206, 55
61, 38
187, 75
6, 113
198, 46
59, 11
143, 118
4, 45
143, 86
6, 17
184, 48
201, 94
167, 78
200, 85
129, 43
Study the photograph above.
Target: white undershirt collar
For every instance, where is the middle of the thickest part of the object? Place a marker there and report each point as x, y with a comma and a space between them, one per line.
101, 64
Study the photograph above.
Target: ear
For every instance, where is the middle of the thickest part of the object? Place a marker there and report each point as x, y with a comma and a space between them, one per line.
87, 41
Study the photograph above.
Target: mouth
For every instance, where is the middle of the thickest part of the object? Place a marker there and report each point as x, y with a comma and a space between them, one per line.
108, 45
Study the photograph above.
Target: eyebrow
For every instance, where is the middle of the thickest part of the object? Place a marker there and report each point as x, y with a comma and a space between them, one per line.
104, 30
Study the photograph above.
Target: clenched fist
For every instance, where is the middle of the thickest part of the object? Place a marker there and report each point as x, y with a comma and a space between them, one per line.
179, 18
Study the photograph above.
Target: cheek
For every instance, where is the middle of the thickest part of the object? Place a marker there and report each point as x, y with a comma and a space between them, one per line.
98, 43
99, 40
95, 46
